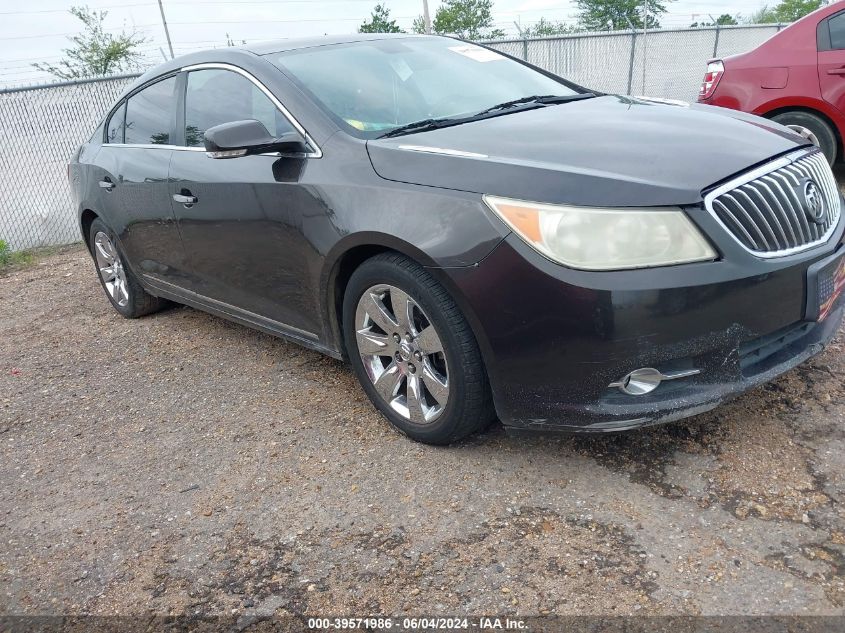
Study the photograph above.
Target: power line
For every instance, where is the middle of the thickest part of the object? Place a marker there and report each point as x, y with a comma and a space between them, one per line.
146, 47
261, 21
113, 6
667, 19
35, 37
186, 2
200, 22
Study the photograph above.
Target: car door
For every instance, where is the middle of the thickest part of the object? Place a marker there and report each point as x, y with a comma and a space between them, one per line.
830, 36
132, 169
241, 218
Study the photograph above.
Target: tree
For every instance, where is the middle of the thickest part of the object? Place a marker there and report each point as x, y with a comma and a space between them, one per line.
547, 28
96, 53
723, 20
418, 25
468, 19
380, 22
763, 15
614, 15
791, 10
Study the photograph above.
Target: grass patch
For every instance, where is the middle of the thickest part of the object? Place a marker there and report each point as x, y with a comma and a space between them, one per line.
14, 259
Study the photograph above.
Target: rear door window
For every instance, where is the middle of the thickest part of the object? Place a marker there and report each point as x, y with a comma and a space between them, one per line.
836, 26
149, 114
216, 96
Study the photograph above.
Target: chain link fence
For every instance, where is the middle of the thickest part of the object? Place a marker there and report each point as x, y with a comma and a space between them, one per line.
41, 127
667, 63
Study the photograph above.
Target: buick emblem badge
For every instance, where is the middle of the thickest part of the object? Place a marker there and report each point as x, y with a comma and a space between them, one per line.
814, 205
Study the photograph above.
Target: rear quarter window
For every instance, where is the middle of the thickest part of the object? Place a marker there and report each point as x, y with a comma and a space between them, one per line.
114, 127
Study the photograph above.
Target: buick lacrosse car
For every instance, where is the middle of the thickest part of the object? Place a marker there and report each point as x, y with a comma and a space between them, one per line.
478, 237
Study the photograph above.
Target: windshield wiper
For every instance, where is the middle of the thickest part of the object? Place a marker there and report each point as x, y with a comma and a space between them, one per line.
421, 126
535, 101
539, 100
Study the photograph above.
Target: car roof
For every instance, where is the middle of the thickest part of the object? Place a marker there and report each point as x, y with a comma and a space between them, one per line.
241, 54
279, 46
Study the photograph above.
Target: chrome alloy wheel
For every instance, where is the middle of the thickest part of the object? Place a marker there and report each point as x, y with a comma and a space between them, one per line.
402, 353
111, 269
805, 132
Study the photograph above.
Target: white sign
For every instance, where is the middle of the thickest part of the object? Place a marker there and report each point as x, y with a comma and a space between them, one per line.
477, 53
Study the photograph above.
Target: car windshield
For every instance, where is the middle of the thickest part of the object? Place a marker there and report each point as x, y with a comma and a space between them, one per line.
376, 86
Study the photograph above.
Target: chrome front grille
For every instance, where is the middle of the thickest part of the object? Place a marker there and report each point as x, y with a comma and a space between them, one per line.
767, 211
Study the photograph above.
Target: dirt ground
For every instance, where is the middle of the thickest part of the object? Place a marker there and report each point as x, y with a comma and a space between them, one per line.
182, 464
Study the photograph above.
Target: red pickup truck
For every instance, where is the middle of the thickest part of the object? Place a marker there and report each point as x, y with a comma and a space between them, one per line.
796, 77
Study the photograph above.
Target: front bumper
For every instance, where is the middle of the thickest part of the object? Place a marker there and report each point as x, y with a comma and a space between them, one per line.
553, 338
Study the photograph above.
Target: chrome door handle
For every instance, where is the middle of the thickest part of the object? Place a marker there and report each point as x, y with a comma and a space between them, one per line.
108, 185
178, 197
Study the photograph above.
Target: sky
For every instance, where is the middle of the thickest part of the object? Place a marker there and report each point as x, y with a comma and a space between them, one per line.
37, 31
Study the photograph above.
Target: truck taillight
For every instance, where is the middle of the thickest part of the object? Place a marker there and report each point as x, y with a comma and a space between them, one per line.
714, 73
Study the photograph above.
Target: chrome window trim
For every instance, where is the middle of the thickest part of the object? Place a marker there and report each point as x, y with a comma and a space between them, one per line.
317, 153
185, 148
178, 148
759, 172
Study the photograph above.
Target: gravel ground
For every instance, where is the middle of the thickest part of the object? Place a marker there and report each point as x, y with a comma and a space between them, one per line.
182, 464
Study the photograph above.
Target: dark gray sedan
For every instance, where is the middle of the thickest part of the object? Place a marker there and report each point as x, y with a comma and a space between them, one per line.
477, 236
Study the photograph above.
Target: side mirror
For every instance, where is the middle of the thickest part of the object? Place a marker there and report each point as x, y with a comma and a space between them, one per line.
243, 138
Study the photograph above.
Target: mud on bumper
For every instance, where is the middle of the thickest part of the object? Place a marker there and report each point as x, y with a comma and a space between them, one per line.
747, 364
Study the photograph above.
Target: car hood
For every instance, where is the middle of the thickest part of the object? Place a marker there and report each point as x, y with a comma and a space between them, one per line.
607, 151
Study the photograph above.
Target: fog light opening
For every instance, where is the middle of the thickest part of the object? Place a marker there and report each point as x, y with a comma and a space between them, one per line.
646, 379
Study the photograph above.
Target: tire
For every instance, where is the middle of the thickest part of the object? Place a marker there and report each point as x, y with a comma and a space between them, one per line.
120, 285
814, 128
438, 360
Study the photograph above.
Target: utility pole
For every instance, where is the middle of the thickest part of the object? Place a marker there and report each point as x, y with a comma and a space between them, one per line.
166, 30
426, 17
645, 43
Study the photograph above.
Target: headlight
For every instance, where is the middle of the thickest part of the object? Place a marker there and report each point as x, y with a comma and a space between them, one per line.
598, 238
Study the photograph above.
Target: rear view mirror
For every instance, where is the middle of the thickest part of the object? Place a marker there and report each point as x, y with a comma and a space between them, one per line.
243, 138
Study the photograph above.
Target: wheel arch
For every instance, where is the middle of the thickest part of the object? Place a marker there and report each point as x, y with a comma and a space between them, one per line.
345, 258
809, 108
341, 262
86, 219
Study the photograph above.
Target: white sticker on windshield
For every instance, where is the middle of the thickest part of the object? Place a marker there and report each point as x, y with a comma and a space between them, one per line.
401, 67
477, 53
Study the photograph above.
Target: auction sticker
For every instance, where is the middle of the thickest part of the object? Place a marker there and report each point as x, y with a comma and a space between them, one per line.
477, 53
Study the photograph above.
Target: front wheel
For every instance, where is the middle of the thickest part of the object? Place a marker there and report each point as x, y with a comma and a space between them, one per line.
413, 351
